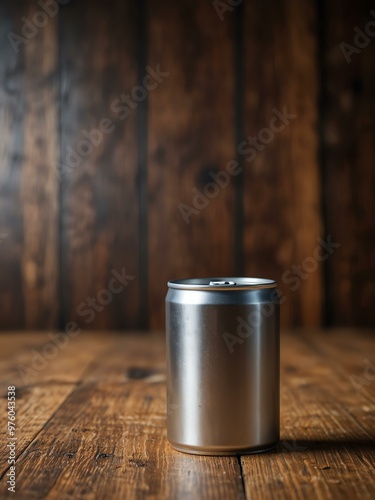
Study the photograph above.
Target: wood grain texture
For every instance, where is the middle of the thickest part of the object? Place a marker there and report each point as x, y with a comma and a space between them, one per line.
100, 231
113, 427
326, 448
102, 434
43, 384
71, 213
349, 154
29, 195
191, 122
281, 173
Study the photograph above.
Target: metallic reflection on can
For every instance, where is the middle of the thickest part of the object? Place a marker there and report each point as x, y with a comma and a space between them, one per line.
223, 371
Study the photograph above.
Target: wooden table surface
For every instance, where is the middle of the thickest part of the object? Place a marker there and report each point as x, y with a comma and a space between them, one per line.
90, 422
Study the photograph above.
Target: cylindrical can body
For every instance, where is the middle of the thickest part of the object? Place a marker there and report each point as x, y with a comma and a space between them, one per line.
222, 365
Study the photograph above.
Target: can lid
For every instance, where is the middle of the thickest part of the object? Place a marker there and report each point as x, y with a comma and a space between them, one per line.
231, 283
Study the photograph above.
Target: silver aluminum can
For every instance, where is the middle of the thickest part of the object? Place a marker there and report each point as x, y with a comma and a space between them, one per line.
223, 358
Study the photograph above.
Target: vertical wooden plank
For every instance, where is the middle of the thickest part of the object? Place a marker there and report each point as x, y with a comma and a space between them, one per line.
191, 134
39, 186
99, 180
11, 161
29, 148
349, 154
282, 193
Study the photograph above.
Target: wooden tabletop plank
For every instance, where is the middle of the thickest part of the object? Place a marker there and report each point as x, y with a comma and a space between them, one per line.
327, 437
34, 407
40, 388
48, 357
93, 426
355, 361
108, 439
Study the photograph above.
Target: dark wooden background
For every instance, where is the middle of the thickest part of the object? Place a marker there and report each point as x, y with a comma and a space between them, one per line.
60, 240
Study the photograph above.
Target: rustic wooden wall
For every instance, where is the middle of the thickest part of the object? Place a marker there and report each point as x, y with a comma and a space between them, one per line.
348, 141
72, 214
29, 145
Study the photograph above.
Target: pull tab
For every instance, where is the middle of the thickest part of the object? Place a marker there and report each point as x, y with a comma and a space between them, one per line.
221, 283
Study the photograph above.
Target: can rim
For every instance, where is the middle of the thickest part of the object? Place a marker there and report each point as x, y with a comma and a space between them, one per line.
222, 283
